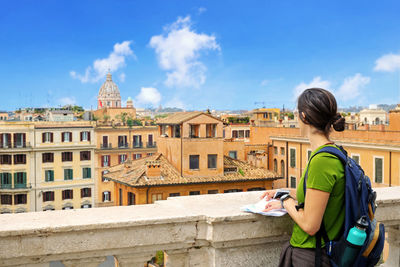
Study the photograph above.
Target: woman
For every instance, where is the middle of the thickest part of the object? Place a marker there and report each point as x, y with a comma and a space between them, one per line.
324, 200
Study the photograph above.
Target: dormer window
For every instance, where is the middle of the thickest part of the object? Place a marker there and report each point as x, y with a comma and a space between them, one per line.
194, 131
211, 130
176, 131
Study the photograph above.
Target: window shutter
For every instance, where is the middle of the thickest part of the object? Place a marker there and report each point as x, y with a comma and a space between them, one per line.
119, 159
70, 136
103, 196
44, 199
89, 155
15, 199
1, 140
15, 178
63, 156
51, 137
63, 194
43, 157
43, 137
62, 137
81, 133
52, 157
102, 161
82, 193
15, 159
81, 155
89, 192
52, 175
72, 194
24, 177
52, 196
89, 173
15, 139
88, 136
24, 159
24, 140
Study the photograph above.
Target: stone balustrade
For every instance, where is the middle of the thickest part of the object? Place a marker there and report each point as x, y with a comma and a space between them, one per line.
204, 230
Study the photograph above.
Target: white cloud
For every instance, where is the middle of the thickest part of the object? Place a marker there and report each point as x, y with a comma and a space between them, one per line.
148, 96
201, 10
264, 82
68, 100
175, 103
351, 87
389, 62
316, 82
122, 77
178, 51
100, 67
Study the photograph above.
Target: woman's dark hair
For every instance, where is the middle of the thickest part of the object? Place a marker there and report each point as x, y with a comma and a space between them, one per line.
320, 110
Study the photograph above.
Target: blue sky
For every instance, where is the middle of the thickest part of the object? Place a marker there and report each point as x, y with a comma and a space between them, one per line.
199, 54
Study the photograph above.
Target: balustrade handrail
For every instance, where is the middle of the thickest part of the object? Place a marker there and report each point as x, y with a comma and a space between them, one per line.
202, 230
11, 145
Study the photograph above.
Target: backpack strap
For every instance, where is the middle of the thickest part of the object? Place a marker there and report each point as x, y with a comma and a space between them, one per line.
341, 154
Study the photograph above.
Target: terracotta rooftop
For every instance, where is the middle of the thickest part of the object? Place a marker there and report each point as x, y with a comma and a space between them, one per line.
133, 173
180, 117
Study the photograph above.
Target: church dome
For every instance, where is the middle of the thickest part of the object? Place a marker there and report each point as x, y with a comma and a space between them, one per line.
109, 95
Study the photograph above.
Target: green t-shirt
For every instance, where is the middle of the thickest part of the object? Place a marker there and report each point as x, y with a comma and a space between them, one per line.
325, 173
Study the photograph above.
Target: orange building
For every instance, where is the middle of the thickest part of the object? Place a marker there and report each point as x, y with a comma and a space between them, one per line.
115, 145
190, 161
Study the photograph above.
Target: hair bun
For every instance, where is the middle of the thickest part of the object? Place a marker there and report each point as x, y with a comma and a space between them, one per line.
338, 122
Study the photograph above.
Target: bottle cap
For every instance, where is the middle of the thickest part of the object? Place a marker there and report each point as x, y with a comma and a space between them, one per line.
362, 222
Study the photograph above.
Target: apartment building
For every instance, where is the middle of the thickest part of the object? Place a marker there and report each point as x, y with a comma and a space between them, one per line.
116, 145
46, 166
190, 161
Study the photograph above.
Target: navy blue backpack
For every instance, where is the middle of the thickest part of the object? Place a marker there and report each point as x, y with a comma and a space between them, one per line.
359, 201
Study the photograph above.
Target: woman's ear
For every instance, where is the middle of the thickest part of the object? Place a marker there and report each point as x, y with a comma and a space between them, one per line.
303, 116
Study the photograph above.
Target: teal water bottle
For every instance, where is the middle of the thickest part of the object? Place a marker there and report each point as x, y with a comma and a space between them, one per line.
355, 239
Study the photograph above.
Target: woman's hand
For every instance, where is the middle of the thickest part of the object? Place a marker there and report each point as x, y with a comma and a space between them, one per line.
269, 194
273, 205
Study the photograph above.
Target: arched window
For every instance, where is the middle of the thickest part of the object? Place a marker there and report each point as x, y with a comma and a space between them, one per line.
275, 165
282, 168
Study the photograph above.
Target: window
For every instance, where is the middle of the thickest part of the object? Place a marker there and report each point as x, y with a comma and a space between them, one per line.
378, 166
309, 154
122, 158
106, 196
86, 173
247, 134
137, 156
176, 132
66, 156
292, 182
292, 157
47, 137
211, 130
212, 161
67, 194
86, 192
234, 134
20, 179
47, 157
68, 207
86, 206
20, 159
105, 142
105, 161
151, 141
233, 154
194, 193
194, 131
155, 197
5, 159
66, 137
5, 140
282, 151
256, 189
215, 191
275, 150
150, 154
282, 168
68, 174
5, 180
174, 194
20, 199
6, 199
131, 198
85, 136
233, 190
85, 155
19, 140
137, 141
275, 165
356, 158
194, 162
48, 196
49, 175
123, 141
223, 133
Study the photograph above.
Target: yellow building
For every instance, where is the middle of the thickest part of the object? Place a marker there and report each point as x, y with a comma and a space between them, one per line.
265, 116
115, 145
190, 161
46, 166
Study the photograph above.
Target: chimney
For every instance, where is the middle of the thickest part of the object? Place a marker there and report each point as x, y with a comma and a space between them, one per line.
153, 168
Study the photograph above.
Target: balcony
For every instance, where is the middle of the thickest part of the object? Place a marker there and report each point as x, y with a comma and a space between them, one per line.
15, 186
203, 230
137, 144
151, 145
106, 146
9, 145
123, 145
